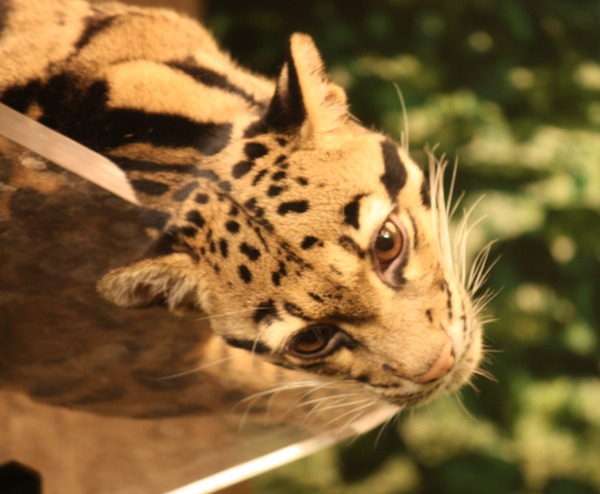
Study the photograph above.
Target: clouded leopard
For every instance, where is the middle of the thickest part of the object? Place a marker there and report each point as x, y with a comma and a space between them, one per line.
306, 239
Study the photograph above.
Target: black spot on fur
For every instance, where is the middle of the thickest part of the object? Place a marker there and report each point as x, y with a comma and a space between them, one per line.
266, 311
245, 273
350, 245
425, 196
224, 247
225, 185
352, 212
295, 310
94, 26
274, 191
196, 218
183, 193
277, 176
150, 187
429, 315
308, 242
234, 211
202, 198
259, 176
250, 252
250, 204
316, 297
250, 345
292, 207
276, 278
208, 174
302, 181
242, 168
394, 177
232, 226
281, 141
280, 273
255, 150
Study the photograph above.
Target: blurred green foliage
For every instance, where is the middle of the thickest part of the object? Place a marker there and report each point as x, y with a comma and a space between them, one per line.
511, 87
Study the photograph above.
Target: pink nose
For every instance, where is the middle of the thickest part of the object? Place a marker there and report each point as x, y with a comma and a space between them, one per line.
440, 368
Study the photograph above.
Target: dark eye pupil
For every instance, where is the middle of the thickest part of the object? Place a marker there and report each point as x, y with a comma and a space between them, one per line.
385, 240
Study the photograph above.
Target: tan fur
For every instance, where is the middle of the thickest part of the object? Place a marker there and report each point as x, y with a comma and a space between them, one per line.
285, 163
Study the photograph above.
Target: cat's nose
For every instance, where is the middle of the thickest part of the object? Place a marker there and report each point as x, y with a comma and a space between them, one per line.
441, 367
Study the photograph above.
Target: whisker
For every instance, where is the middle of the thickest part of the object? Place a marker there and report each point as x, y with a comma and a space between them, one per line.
404, 135
226, 314
195, 369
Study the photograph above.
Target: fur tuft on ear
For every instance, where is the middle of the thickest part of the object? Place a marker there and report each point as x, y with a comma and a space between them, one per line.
167, 280
305, 98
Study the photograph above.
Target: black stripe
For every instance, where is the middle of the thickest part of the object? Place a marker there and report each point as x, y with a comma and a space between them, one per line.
132, 165
150, 187
213, 79
351, 246
183, 193
295, 311
415, 231
94, 26
425, 195
394, 177
259, 176
84, 116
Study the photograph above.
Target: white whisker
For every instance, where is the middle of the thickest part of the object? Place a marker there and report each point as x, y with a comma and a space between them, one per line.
195, 369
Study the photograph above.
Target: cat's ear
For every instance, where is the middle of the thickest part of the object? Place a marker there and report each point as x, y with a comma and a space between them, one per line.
304, 97
171, 280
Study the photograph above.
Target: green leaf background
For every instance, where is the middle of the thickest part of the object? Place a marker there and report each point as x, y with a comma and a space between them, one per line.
512, 89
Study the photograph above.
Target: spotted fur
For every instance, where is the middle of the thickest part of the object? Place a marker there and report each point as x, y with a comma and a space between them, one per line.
265, 197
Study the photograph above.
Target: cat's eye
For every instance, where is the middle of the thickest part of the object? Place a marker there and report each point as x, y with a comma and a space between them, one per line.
388, 244
318, 340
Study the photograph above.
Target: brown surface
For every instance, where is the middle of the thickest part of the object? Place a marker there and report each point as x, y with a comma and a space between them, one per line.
79, 453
